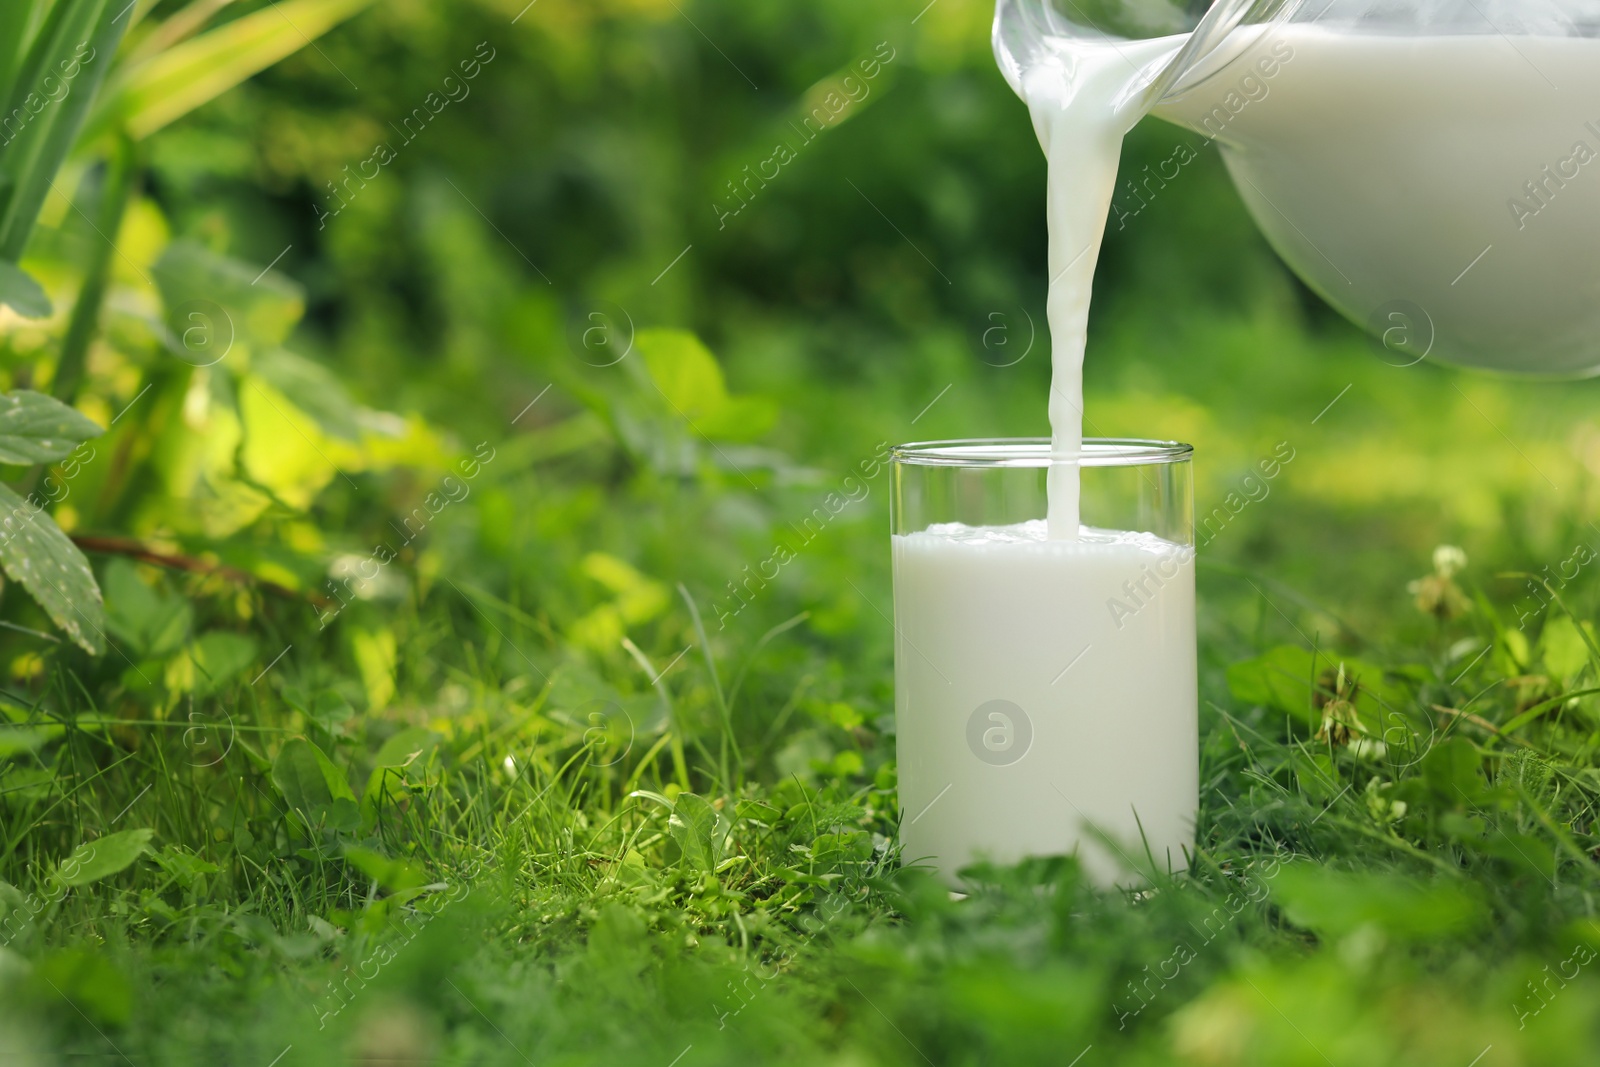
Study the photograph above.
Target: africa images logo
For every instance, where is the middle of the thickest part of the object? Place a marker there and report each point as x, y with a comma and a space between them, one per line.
999, 733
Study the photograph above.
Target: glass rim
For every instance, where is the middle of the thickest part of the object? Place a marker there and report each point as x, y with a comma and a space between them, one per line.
1036, 452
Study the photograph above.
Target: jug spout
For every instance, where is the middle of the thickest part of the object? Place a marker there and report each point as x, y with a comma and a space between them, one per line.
1030, 33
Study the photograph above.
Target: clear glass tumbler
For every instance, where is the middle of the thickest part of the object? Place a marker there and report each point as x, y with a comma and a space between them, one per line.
1045, 691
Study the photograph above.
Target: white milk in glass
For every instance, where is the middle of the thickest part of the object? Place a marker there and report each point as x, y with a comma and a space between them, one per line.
1043, 686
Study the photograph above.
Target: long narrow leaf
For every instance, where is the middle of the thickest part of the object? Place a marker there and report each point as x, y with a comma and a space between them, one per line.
85, 40
188, 75
60, 21
179, 26
22, 133
18, 20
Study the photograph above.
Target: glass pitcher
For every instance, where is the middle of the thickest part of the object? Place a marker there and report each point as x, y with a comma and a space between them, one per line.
1431, 168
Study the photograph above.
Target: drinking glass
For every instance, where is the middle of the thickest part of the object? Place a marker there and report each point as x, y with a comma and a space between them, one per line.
1045, 691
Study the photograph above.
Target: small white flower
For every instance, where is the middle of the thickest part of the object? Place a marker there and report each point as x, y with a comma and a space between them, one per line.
1368, 749
1449, 561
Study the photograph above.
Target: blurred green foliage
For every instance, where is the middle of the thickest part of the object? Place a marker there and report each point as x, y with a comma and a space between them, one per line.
453, 367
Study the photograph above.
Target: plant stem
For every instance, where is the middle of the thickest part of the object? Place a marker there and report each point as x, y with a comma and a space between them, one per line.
115, 190
123, 546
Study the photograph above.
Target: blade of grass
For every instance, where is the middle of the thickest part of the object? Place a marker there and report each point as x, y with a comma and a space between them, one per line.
680, 765
18, 18
728, 741
173, 83
776, 631
1539, 709
1563, 839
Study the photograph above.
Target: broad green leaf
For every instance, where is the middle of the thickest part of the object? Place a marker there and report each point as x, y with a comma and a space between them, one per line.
351, 435
333, 784
1512, 654
1318, 775
211, 301
1282, 679
35, 428
21, 293
1336, 903
376, 656
1520, 851
184, 868
742, 418
175, 82
146, 620
700, 831
11, 898
30, 783
850, 847
325, 707
16, 740
394, 875
1451, 770
89, 981
684, 370
639, 599
44, 561
759, 811
314, 788
314, 389
1288, 677
406, 748
218, 656
691, 383
284, 448
1565, 652
404, 754
95, 860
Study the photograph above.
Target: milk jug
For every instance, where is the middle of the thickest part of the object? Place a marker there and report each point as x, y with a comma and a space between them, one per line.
1430, 168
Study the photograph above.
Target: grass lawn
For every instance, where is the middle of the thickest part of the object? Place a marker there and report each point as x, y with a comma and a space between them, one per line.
461, 824
434, 737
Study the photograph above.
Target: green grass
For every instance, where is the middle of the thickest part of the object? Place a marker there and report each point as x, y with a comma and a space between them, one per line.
715, 871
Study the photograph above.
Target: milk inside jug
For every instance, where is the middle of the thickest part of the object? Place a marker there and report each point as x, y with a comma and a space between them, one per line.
1430, 168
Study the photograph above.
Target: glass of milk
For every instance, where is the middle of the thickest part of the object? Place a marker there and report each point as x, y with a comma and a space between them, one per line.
1045, 689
